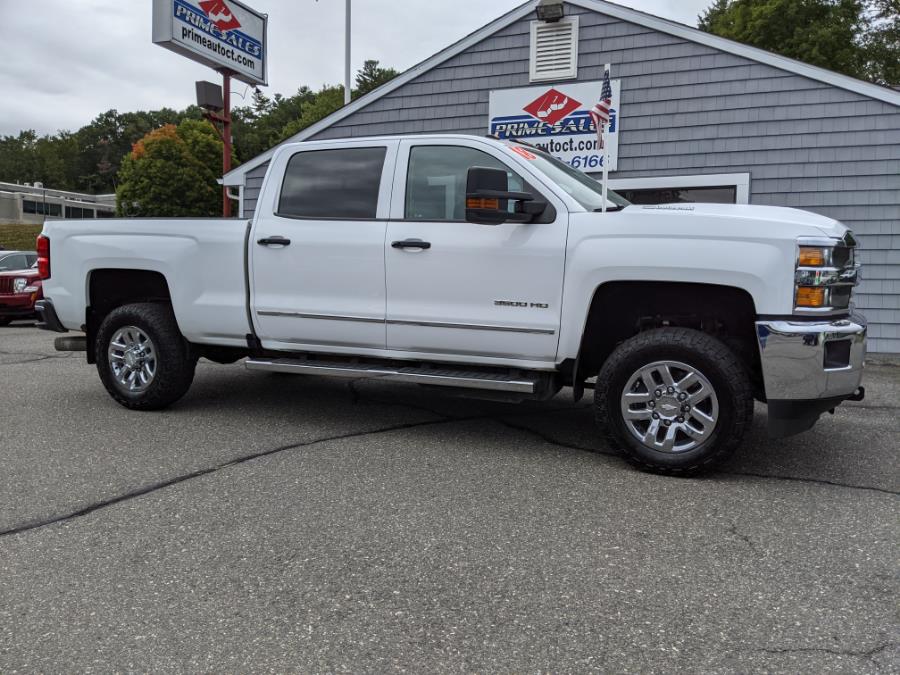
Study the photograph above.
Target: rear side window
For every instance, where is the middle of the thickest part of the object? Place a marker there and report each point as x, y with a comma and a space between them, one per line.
341, 184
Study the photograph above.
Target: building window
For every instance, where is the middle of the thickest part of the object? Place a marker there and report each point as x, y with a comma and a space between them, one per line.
333, 184
78, 212
41, 208
707, 195
554, 50
105, 214
725, 188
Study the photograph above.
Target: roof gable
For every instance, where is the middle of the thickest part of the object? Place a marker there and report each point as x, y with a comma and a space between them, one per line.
613, 10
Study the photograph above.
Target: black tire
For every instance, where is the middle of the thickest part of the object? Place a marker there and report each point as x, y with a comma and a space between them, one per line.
175, 362
5, 320
709, 356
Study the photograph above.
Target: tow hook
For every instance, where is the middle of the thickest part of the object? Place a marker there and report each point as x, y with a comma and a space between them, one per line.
857, 395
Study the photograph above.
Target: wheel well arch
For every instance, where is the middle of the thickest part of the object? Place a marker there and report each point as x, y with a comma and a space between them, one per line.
620, 310
110, 288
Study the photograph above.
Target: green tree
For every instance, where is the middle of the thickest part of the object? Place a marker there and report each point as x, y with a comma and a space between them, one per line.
172, 171
371, 76
258, 127
324, 102
855, 37
882, 42
820, 32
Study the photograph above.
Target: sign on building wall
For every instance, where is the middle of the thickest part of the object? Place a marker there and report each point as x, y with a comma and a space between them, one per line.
217, 33
556, 118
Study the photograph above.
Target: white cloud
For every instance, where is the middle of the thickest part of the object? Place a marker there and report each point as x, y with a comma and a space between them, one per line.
69, 60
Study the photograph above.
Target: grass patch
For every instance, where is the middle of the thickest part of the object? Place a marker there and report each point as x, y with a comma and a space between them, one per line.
19, 237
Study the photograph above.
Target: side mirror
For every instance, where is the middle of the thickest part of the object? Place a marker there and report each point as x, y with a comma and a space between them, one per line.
488, 197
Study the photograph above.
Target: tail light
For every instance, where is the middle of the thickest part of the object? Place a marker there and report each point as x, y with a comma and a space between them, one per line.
43, 251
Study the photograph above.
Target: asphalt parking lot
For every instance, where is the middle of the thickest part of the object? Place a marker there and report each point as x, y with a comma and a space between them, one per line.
302, 524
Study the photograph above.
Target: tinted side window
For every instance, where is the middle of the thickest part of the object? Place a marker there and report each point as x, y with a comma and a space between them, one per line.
436, 180
340, 183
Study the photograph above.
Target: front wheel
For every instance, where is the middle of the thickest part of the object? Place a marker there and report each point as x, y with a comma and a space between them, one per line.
143, 360
673, 400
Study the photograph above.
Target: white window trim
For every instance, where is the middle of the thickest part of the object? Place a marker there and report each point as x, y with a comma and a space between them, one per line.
741, 181
532, 52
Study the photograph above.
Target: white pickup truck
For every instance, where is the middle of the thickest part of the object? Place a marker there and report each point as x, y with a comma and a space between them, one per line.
486, 267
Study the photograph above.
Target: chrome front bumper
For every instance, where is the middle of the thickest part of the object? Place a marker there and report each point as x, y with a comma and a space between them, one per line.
809, 367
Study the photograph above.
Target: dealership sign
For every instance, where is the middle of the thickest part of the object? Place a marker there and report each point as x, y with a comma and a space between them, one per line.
557, 119
222, 34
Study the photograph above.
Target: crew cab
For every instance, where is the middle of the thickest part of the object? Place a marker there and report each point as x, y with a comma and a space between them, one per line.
485, 267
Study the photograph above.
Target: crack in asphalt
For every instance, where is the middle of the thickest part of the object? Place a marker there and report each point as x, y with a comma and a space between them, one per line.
154, 487
733, 530
160, 485
442, 418
820, 481
801, 479
868, 654
32, 358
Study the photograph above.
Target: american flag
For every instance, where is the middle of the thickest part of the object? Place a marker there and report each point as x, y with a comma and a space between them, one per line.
600, 111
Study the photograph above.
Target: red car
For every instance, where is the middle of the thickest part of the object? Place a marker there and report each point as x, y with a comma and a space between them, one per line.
19, 290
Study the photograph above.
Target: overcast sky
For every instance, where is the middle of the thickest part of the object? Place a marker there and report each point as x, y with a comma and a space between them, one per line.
66, 61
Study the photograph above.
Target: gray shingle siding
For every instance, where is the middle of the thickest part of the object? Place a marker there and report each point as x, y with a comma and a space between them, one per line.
688, 108
252, 185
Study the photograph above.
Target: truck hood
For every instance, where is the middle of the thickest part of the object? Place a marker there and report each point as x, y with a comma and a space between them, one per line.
742, 217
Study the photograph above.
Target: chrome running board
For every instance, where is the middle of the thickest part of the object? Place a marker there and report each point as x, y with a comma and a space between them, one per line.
440, 377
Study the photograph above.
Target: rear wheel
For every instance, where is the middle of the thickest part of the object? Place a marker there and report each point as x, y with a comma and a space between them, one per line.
673, 400
143, 360
5, 320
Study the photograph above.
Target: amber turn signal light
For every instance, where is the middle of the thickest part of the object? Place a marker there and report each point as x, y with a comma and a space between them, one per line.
481, 203
810, 297
812, 256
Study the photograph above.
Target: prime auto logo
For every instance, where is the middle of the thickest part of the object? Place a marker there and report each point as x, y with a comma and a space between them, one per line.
216, 19
220, 14
553, 113
551, 107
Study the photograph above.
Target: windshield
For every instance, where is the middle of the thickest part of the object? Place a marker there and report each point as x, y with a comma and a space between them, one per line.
581, 187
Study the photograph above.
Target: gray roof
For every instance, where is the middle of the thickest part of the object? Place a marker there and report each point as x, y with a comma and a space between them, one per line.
886, 94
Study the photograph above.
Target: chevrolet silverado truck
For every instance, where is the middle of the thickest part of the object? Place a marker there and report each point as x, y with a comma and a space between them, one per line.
482, 266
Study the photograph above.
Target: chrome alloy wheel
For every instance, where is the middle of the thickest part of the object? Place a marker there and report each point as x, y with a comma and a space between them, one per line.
132, 359
670, 406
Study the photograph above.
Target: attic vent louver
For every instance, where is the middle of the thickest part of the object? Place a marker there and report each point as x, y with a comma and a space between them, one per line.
554, 50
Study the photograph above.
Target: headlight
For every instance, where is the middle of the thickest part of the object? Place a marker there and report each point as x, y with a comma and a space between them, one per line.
19, 284
825, 275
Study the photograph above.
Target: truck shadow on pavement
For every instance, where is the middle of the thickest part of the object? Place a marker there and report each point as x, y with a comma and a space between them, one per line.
855, 448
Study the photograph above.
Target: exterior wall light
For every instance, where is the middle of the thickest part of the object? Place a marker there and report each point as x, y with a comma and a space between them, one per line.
550, 11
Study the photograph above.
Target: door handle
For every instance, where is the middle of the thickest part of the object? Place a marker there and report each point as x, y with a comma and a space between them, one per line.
274, 241
412, 243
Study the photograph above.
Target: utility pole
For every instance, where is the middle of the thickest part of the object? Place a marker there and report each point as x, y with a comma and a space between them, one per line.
347, 56
226, 139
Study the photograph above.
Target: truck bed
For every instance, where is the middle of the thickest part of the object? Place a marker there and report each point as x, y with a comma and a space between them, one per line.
201, 258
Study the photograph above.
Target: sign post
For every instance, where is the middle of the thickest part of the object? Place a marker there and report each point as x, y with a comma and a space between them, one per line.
225, 35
